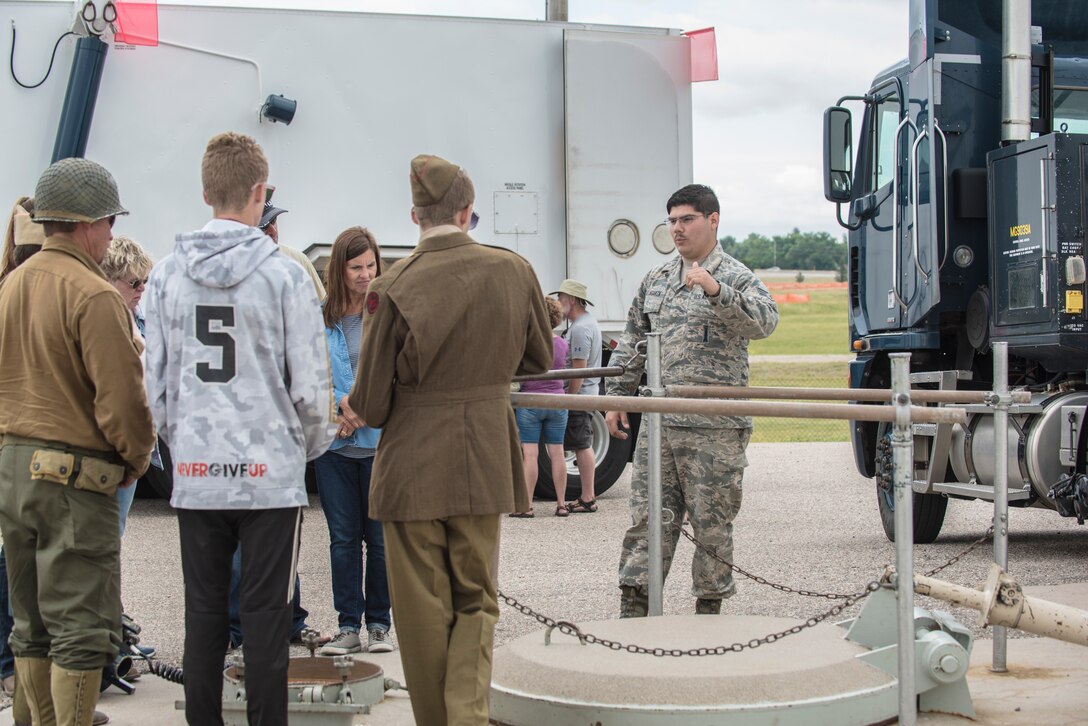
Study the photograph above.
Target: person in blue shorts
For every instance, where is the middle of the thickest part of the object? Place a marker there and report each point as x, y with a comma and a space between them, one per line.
535, 424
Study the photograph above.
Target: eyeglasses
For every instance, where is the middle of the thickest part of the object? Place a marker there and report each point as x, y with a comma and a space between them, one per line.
474, 221
137, 283
685, 220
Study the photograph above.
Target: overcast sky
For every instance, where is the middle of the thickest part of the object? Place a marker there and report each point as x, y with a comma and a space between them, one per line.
757, 129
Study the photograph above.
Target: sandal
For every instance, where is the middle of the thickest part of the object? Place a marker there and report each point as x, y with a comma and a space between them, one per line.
581, 506
562, 510
522, 515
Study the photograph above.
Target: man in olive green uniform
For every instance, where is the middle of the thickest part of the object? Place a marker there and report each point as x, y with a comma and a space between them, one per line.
706, 306
444, 332
74, 425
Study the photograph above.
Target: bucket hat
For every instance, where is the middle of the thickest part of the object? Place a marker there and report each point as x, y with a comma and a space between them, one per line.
574, 289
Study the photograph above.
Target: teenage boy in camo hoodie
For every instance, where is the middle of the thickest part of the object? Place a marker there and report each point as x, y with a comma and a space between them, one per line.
239, 386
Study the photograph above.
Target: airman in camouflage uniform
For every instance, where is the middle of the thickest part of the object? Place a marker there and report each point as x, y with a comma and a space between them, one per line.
707, 306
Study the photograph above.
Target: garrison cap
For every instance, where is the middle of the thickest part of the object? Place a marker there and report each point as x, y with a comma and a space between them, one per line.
76, 190
26, 232
431, 178
574, 289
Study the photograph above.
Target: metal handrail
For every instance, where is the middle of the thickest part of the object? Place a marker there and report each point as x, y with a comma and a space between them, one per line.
895, 209
643, 404
560, 374
920, 395
915, 192
944, 187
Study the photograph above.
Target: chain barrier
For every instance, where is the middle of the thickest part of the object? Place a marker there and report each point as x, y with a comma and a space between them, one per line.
589, 638
971, 548
764, 581
844, 602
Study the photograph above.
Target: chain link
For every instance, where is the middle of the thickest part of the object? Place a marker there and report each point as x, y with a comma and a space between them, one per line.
573, 630
763, 580
843, 602
971, 548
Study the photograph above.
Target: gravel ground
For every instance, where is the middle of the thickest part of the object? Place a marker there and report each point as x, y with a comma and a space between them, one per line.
808, 520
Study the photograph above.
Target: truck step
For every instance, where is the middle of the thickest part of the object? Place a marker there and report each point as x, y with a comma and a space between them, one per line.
978, 491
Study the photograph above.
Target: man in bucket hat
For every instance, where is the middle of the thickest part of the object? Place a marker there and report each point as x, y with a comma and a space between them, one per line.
440, 512
74, 426
584, 338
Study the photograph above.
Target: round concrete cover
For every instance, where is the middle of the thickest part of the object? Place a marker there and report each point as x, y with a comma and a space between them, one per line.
816, 664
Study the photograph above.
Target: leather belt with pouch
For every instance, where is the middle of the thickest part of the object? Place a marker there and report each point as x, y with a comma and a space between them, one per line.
79, 470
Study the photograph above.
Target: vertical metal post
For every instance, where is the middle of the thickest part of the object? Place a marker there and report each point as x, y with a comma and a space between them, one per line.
653, 479
555, 10
903, 475
1001, 486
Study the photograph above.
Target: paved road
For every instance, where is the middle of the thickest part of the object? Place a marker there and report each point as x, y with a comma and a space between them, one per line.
808, 520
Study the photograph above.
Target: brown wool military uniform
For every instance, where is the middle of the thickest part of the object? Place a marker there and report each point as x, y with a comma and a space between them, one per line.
74, 422
445, 330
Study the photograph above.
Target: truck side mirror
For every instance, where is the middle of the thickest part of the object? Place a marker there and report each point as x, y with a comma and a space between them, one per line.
838, 154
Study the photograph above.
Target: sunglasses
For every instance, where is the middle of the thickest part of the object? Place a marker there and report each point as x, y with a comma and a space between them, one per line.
474, 221
137, 283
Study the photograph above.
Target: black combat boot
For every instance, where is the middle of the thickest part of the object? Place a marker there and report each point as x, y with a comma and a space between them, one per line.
634, 602
708, 606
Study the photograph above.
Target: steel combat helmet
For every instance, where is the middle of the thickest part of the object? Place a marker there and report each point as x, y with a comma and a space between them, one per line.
76, 190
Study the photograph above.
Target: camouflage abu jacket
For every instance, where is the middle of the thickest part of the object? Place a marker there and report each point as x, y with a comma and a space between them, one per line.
703, 340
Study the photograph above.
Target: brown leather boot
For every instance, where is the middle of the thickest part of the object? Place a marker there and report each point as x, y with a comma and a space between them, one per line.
75, 694
634, 602
34, 682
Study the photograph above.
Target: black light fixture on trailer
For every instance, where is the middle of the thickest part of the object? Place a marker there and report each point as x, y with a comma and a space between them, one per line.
279, 109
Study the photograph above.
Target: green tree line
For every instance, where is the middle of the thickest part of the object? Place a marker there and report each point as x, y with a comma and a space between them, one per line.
796, 251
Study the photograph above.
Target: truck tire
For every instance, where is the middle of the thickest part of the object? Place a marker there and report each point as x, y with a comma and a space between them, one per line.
611, 454
929, 509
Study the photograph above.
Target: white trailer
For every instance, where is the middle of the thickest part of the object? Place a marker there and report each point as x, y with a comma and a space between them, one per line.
571, 132
575, 135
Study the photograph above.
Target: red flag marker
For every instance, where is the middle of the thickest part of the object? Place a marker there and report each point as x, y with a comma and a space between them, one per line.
137, 22
704, 55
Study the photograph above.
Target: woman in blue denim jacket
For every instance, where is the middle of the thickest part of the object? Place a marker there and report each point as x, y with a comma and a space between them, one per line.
343, 472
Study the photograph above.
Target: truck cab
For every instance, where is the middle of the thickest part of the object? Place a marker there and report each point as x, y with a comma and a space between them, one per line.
960, 236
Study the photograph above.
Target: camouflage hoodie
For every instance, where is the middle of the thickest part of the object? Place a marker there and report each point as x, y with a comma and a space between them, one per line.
237, 370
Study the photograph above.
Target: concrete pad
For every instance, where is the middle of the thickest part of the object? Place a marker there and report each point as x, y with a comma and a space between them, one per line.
812, 677
1047, 683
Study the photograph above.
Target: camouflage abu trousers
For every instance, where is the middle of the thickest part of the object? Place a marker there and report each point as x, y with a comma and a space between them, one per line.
701, 473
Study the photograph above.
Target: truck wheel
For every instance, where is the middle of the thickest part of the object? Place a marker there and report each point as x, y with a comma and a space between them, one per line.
929, 509
610, 454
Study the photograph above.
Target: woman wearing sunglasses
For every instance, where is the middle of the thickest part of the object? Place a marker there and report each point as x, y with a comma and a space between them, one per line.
127, 265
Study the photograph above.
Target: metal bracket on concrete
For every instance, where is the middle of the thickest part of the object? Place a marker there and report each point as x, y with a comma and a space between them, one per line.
942, 649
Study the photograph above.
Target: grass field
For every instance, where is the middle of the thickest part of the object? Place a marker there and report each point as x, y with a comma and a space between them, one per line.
809, 375
816, 327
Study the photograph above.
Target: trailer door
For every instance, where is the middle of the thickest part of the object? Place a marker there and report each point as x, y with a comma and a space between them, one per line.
628, 147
